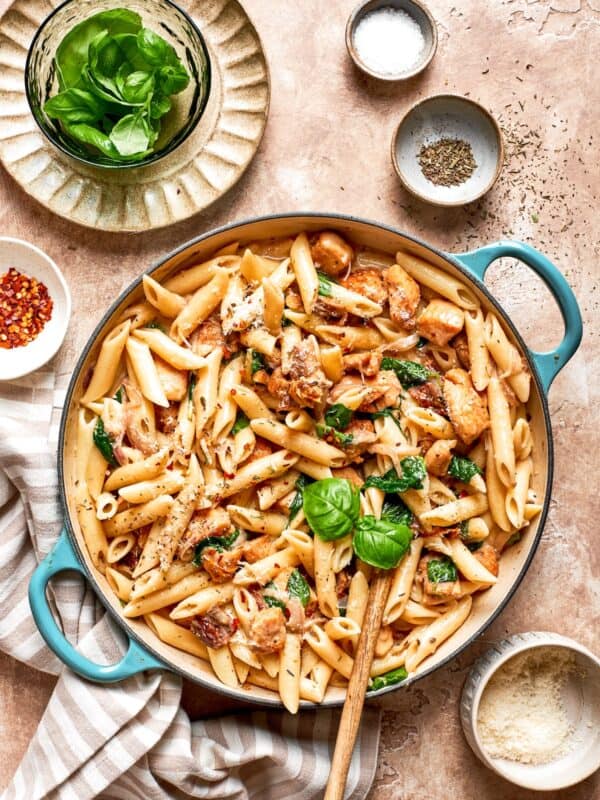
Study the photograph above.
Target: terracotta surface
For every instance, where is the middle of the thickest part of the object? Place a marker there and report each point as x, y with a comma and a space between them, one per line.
327, 148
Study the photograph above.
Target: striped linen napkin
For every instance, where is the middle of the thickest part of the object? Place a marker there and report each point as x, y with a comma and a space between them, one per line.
131, 740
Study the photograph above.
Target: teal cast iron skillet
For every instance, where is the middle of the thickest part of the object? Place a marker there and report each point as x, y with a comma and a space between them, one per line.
145, 650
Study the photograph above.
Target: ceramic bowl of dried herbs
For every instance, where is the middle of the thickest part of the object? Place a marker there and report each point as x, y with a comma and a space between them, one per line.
448, 150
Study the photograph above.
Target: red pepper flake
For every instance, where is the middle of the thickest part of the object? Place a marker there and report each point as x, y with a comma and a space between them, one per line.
25, 307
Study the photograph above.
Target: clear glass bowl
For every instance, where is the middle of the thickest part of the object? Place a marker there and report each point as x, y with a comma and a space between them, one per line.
161, 16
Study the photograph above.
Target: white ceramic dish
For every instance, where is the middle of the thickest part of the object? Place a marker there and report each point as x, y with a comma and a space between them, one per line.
454, 117
30, 260
421, 15
581, 698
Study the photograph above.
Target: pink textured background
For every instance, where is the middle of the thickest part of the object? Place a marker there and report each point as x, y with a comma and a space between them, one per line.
534, 64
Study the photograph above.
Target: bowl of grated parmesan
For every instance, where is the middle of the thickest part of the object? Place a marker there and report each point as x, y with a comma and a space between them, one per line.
530, 710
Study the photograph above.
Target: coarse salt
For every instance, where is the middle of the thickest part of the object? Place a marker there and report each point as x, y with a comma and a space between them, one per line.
521, 715
388, 41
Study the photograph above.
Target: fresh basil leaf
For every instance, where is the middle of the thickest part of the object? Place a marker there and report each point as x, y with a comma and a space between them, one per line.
325, 284
155, 49
298, 587
409, 373
241, 422
130, 135
73, 51
86, 134
463, 469
257, 362
220, 543
133, 59
331, 507
441, 570
379, 542
343, 439
394, 510
105, 59
338, 416
173, 78
413, 476
388, 679
273, 602
104, 443
137, 86
159, 106
301, 483
75, 106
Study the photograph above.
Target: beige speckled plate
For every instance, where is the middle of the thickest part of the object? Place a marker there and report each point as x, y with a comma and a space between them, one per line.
188, 180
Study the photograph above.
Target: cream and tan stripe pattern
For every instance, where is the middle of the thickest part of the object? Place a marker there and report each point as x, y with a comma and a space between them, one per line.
129, 741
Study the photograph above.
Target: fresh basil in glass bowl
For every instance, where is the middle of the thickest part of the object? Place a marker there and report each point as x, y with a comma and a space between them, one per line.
117, 83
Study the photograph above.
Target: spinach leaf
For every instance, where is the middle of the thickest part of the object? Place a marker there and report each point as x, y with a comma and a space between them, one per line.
301, 483
342, 611
338, 416
385, 412
257, 362
413, 476
119, 395
298, 587
394, 510
388, 679
72, 52
325, 284
104, 443
516, 537
343, 439
463, 469
155, 324
422, 342
86, 134
331, 507
131, 135
173, 78
379, 542
154, 49
273, 602
473, 546
241, 422
441, 570
409, 372
220, 543
75, 105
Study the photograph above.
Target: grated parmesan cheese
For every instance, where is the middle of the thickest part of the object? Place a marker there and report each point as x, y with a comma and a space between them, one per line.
389, 41
521, 715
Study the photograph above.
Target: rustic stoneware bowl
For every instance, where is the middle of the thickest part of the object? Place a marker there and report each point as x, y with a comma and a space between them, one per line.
454, 117
422, 16
581, 698
146, 650
30, 260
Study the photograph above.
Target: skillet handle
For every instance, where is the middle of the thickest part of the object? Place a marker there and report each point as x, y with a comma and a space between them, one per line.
60, 559
548, 364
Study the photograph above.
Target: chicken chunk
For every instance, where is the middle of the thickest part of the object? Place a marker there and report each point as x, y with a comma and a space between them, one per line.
367, 282
173, 381
466, 409
267, 631
221, 565
308, 384
434, 590
166, 418
279, 386
295, 615
364, 363
439, 455
488, 556
460, 344
404, 296
429, 395
363, 436
440, 321
350, 474
381, 391
332, 254
205, 523
210, 333
256, 549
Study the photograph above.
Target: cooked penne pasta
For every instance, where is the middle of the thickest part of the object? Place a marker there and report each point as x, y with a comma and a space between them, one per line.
107, 365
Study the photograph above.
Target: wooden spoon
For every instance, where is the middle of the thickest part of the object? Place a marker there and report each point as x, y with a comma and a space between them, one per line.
357, 686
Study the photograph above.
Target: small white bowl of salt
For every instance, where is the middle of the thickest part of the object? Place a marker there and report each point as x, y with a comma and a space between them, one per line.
530, 709
391, 40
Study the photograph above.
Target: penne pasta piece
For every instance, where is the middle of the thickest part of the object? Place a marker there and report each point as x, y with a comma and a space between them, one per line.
479, 357
138, 516
522, 439
186, 587
439, 281
303, 545
402, 581
267, 568
496, 491
469, 566
306, 274
251, 519
271, 491
330, 652
341, 628
107, 364
176, 635
298, 442
428, 638
168, 482
192, 278
119, 547
289, 673
254, 268
231, 376
119, 583
171, 352
144, 470
501, 428
168, 303
273, 306
258, 471
178, 515
250, 403
155, 579
145, 372
91, 528
452, 513
332, 362
313, 470
325, 583
221, 661
202, 601
516, 497
106, 506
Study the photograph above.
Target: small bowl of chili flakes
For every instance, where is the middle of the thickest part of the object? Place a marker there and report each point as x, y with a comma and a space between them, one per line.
35, 307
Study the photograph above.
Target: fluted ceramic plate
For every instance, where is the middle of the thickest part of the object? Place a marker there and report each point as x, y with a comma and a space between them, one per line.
183, 183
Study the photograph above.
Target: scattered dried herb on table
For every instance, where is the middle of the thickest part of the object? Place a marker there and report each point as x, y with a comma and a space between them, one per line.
447, 162
25, 307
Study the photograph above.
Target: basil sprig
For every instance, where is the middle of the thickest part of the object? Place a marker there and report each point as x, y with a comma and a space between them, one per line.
298, 587
331, 507
380, 542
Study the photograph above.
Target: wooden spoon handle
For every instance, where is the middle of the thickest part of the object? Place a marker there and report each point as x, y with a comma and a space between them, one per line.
357, 686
